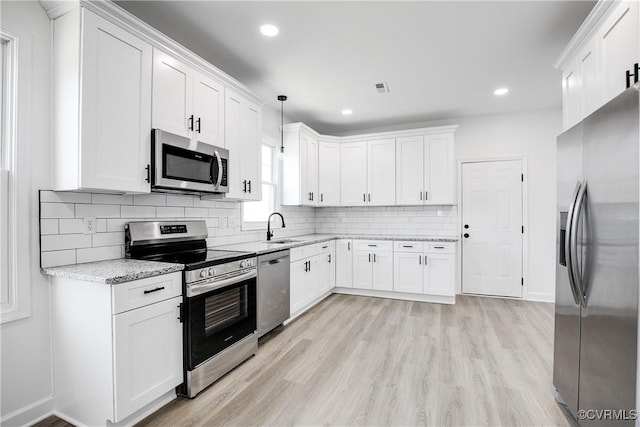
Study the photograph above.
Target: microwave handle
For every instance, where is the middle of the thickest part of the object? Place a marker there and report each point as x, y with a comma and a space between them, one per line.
219, 179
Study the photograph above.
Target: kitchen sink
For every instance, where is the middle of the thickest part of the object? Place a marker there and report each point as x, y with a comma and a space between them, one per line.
283, 241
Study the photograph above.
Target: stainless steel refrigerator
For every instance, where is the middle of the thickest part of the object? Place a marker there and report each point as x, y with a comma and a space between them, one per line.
596, 312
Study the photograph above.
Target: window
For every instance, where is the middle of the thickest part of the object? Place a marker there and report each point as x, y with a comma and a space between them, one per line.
255, 214
14, 301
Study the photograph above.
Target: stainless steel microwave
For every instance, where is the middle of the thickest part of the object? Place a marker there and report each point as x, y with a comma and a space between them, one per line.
183, 165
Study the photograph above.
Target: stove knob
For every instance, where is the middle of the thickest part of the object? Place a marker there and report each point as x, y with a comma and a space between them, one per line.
243, 264
211, 272
203, 274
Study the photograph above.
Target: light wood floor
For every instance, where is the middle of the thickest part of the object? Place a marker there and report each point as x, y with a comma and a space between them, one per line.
369, 361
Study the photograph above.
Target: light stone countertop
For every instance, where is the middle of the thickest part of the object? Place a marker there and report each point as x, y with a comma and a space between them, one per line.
296, 241
113, 271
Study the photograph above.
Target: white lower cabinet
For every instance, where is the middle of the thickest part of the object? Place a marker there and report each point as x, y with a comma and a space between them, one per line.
117, 348
373, 265
344, 263
424, 268
312, 275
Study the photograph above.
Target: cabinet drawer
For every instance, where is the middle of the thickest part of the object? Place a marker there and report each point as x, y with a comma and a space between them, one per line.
408, 246
306, 251
443, 248
373, 245
325, 247
138, 293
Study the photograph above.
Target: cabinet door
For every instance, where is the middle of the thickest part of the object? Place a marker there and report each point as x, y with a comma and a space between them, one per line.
439, 170
328, 173
332, 264
148, 355
381, 168
353, 174
312, 282
408, 272
440, 274
250, 151
172, 94
571, 95
344, 263
589, 63
323, 275
298, 291
115, 108
309, 169
208, 107
232, 132
620, 43
410, 170
362, 270
382, 275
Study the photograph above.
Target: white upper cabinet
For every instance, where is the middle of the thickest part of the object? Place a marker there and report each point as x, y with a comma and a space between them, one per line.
102, 105
619, 42
300, 166
186, 102
425, 170
328, 173
381, 172
353, 174
243, 130
595, 63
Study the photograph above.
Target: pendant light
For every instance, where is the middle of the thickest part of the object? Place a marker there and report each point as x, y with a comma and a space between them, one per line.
281, 98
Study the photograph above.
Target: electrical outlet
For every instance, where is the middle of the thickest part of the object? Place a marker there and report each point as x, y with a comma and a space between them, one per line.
90, 226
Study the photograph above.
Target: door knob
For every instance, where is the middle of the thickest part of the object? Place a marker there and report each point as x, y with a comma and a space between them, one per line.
466, 226
466, 235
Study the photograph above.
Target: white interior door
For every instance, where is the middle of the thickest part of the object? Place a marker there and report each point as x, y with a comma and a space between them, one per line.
492, 228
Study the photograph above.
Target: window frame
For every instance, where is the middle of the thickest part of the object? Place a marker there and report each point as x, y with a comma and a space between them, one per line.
276, 175
16, 290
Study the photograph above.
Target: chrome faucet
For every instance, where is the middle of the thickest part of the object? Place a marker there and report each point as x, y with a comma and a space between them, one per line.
269, 232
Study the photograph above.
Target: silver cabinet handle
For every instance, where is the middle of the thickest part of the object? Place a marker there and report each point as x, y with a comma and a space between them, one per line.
425, 260
420, 259
369, 196
421, 195
438, 247
426, 195
348, 246
568, 245
374, 257
369, 257
407, 246
364, 197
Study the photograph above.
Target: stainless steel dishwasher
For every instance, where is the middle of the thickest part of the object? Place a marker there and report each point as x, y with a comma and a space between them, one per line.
273, 290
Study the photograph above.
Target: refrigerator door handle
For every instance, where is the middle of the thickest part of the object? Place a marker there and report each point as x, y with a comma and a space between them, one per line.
573, 239
568, 245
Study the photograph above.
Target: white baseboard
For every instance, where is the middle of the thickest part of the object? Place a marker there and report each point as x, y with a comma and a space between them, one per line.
541, 297
30, 414
438, 299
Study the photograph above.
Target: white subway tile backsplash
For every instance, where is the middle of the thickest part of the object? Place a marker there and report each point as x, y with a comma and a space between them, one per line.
48, 226
138, 211
64, 241
108, 239
112, 199
174, 200
102, 225
99, 254
169, 212
54, 258
196, 212
57, 210
64, 197
71, 226
150, 199
97, 211
117, 224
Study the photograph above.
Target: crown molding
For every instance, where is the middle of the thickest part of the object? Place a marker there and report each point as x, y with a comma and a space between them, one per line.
301, 127
594, 20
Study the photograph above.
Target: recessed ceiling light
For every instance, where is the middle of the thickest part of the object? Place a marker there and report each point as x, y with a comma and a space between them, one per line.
347, 112
269, 30
501, 91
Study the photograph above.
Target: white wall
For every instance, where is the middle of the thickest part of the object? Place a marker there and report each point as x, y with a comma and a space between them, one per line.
532, 135
26, 385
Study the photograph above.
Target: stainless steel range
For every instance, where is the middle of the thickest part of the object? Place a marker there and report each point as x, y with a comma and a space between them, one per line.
219, 296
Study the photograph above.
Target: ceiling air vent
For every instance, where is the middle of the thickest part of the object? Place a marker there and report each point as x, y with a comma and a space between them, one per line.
382, 87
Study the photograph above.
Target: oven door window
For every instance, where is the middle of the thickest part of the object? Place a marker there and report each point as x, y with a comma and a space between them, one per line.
187, 165
219, 319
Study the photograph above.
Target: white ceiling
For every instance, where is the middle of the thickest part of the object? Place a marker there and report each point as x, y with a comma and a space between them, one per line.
440, 59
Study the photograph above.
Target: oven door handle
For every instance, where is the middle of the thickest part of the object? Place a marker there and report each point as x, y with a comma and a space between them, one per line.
195, 289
